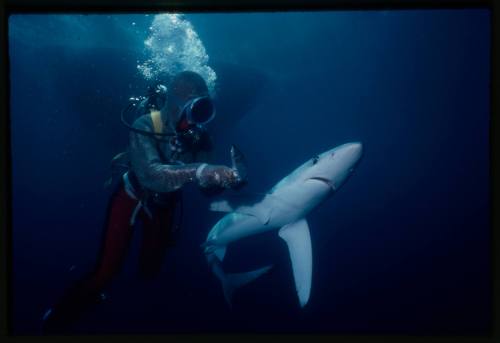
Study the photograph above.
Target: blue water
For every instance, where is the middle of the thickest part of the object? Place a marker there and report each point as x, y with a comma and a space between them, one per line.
403, 247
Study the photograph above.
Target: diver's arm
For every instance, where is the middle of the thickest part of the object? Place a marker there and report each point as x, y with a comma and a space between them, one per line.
160, 177
206, 155
147, 166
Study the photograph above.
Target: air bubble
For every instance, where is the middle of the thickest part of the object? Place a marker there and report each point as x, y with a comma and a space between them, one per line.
174, 46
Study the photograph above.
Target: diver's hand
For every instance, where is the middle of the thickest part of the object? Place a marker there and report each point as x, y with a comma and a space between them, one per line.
209, 175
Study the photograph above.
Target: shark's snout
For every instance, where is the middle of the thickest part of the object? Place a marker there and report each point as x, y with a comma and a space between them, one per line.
356, 149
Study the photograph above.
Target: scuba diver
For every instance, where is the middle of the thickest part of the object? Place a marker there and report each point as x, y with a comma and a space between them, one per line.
168, 148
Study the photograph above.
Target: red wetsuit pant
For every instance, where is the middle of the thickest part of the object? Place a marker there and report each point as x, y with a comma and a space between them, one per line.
117, 236
156, 236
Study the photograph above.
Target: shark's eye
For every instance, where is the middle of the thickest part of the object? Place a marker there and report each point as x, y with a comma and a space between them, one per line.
315, 159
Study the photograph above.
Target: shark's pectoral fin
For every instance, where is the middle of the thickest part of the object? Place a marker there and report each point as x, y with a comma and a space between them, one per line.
298, 239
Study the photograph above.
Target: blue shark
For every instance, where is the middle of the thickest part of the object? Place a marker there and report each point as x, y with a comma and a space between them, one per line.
284, 208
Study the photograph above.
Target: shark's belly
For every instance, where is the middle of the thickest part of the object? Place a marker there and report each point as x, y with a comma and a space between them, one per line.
284, 217
295, 203
286, 213
235, 226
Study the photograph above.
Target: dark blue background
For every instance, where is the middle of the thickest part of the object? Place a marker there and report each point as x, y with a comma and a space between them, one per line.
403, 247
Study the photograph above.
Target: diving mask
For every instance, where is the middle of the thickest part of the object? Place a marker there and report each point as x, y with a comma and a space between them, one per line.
198, 111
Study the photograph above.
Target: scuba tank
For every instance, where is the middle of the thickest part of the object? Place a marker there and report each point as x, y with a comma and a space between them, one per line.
137, 106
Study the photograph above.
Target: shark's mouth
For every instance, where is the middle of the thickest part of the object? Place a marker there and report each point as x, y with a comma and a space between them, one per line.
329, 183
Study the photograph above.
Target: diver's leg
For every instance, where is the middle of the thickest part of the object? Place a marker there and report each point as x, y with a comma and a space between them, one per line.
156, 237
87, 291
116, 241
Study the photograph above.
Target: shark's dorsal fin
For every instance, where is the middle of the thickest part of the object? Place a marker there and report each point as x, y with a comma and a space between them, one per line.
298, 239
262, 213
221, 206
241, 198
249, 204
238, 162
243, 203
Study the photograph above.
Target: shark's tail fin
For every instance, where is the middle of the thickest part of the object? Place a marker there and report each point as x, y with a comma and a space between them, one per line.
230, 282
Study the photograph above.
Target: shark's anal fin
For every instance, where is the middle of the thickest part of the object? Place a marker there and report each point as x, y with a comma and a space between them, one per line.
220, 253
298, 239
211, 249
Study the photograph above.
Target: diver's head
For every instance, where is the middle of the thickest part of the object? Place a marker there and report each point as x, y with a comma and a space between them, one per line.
188, 102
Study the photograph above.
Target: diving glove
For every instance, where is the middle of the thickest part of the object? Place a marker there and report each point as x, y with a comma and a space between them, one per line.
209, 176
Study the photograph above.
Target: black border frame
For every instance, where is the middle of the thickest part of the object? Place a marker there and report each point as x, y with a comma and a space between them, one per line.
128, 6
